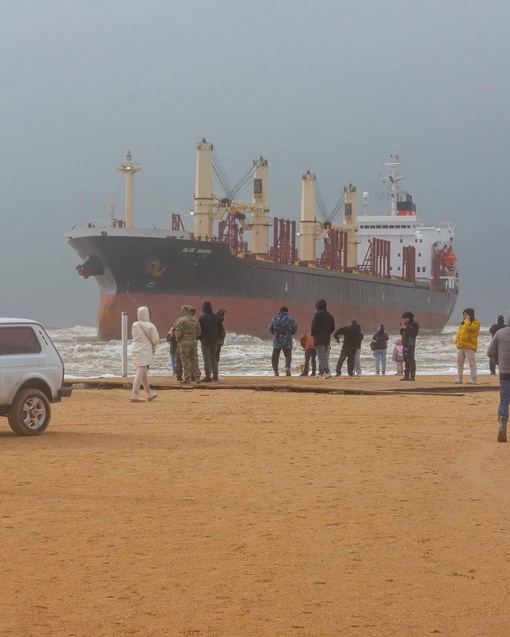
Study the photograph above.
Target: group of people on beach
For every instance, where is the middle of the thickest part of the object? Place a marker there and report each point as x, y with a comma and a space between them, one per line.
183, 337
317, 344
208, 329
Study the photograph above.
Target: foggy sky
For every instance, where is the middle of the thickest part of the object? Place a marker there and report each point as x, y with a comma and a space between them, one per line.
331, 86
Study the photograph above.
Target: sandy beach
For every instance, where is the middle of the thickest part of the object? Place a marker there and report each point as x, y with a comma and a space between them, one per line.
232, 511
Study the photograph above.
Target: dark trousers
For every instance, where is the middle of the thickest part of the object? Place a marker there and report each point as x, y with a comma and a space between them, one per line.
310, 357
350, 355
504, 398
409, 363
287, 352
209, 353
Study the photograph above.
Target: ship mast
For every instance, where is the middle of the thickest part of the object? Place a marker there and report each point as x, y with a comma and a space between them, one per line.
129, 169
394, 178
202, 211
308, 222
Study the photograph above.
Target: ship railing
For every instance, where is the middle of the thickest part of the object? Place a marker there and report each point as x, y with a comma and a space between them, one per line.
449, 284
422, 282
107, 223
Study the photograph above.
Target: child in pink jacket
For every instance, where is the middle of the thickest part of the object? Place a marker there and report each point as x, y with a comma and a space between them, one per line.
398, 357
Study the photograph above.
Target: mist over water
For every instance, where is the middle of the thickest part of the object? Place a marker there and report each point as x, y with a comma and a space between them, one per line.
86, 357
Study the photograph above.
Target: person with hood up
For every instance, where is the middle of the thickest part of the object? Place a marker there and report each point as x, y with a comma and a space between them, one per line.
350, 345
466, 340
212, 332
380, 340
283, 327
409, 329
187, 331
145, 339
492, 330
323, 325
499, 350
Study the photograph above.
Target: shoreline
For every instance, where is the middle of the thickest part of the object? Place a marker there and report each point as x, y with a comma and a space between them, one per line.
389, 384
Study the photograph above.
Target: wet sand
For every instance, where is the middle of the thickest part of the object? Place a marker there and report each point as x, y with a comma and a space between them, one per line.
219, 511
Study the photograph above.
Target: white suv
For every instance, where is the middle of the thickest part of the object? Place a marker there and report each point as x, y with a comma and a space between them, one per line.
31, 376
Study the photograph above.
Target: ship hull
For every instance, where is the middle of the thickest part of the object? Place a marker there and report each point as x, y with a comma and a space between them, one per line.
165, 273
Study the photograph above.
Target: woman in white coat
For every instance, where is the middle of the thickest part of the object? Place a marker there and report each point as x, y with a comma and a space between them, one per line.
145, 338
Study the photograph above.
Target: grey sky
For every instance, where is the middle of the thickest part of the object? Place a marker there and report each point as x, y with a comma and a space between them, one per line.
332, 86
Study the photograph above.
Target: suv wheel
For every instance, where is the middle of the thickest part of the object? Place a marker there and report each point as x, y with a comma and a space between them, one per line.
30, 413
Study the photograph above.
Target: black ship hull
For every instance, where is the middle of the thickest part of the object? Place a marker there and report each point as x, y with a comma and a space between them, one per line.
166, 272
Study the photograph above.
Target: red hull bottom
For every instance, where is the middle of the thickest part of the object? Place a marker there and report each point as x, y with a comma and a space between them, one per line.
250, 316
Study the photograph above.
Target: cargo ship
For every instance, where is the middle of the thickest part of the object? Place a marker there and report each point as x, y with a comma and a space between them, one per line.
367, 267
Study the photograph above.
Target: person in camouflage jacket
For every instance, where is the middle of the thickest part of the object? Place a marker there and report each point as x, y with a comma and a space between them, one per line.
187, 330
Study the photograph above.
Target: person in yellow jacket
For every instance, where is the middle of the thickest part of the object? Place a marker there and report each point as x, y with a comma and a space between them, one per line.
466, 341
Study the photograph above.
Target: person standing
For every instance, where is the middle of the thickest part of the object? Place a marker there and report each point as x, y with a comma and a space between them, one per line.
211, 333
283, 327
306, 341
499, 350
145, 339
357, 358
323, 325
398, 357
409, 329
492, 330
172, 341
221, 313
187, 330
350, 346
466, 340
380, 339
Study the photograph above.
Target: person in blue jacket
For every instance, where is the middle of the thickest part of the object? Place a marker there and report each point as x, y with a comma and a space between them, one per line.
282, 327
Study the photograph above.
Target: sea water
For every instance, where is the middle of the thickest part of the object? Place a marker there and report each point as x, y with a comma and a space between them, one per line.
84, 356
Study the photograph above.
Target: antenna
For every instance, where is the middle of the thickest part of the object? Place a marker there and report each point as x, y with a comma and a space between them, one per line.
394, 178
110, 210
365, 203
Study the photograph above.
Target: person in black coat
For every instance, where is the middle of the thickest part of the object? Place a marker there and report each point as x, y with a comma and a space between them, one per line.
323, 325
212, 333
380, 340
350, 345
409, 329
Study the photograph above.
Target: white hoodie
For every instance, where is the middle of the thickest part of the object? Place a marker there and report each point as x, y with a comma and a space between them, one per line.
145, 337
